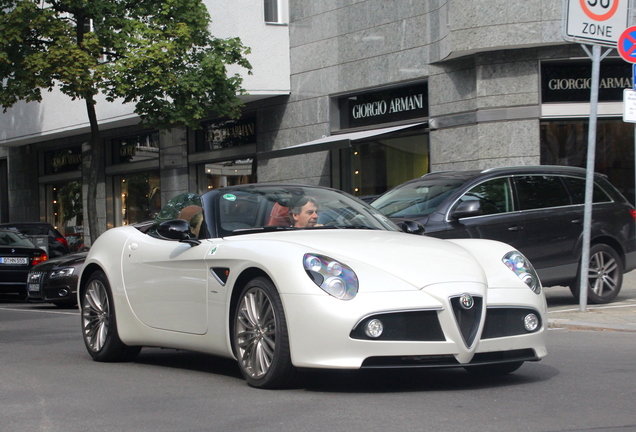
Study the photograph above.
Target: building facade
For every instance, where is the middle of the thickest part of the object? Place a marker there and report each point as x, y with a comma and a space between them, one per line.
360, 95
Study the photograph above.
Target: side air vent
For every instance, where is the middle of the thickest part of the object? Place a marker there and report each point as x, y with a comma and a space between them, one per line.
221, 274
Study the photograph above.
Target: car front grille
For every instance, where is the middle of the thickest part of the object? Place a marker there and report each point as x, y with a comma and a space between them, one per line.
38, 277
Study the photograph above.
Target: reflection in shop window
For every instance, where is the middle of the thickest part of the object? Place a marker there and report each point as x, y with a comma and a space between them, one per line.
136, 148
137, 198
564, 142
214, 175
66, 211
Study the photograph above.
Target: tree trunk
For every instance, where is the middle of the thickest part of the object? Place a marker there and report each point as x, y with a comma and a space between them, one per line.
96, 164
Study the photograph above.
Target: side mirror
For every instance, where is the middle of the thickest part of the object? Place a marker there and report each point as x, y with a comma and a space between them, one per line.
412, 227
467, 208
177, 229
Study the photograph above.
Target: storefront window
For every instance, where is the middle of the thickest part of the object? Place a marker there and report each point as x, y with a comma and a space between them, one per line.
382, 164
223, 134
65, 211
63, 161
214, 175
137, 197
564, 142
136, 148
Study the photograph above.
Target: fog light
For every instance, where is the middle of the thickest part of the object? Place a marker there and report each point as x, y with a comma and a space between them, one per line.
531, 322
63, 293
374, 328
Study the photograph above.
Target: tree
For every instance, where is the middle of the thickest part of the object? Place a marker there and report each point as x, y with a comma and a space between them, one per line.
157, 54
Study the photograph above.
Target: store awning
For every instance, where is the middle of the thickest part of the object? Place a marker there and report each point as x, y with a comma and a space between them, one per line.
331, 142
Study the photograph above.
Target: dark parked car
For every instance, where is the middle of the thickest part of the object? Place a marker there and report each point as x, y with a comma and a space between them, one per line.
17, 256
57, 244
55, 281
538, 210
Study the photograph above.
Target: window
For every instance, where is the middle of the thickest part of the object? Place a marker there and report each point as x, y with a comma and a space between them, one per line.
577, 190
137, 197
536, 192
275, 11
65, 209
564, 142
214, 175
495, 196
136, 148
271, 10
384, 163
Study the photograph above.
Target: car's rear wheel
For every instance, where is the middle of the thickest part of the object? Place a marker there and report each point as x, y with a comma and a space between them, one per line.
259, 337
491, 370
99, 326
605, 275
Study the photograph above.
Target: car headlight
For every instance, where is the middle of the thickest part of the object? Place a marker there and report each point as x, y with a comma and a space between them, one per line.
333, 277
63, 272
520, 265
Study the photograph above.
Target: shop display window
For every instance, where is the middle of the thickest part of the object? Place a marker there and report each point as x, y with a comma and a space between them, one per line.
564, 142
65, 211
384, 163
137, 197
214, 175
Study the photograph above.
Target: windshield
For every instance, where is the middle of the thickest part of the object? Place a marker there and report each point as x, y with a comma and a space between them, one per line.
417, 199
9, 238
271, 208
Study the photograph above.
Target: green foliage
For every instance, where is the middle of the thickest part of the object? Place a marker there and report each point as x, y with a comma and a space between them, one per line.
157, 54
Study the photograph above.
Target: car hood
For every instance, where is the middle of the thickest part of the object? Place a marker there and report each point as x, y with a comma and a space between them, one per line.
416, 259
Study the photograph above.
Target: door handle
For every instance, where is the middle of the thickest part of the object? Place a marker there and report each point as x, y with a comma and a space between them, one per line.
577, 221
515, 228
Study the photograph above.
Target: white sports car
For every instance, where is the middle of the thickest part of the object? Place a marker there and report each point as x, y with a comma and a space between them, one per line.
288, 277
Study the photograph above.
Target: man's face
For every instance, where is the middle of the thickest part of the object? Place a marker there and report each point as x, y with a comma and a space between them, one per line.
308, 216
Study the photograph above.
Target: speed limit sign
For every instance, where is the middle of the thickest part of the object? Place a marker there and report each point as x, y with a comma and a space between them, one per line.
596, 22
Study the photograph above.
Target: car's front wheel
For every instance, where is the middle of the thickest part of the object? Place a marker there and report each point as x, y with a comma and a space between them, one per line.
259, 337
99, 327
605, 275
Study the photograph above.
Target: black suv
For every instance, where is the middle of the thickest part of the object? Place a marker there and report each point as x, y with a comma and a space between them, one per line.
57, 244
538, 210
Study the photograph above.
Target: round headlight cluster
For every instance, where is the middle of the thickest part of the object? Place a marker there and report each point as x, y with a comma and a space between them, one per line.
519, 264
331, 276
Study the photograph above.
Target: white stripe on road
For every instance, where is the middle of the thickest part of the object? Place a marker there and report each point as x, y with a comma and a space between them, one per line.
39, 311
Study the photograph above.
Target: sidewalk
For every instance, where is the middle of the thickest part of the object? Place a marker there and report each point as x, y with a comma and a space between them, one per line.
564, 310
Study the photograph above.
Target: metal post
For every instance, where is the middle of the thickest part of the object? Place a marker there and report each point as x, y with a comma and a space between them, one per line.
589, 178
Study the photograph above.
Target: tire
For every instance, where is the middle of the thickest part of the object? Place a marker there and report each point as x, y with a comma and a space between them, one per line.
99, 326
492, 370
605, 275
260, 338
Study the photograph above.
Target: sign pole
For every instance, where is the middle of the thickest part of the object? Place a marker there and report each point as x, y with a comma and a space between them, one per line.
589, 176
594, 23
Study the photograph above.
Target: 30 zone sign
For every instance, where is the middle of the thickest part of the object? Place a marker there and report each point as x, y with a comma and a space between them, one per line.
597, 22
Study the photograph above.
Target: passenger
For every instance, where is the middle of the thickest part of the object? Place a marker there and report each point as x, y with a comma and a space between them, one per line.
305, 213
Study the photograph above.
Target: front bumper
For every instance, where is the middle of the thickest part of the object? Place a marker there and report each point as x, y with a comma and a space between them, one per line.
43, 289
324, 332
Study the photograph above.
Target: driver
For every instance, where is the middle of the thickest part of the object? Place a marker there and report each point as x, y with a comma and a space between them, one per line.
305, 213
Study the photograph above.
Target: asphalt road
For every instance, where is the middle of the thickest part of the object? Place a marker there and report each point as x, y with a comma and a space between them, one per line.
49, 383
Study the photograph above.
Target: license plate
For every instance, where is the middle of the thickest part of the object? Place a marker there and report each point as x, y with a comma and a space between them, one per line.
13, 260
34, 287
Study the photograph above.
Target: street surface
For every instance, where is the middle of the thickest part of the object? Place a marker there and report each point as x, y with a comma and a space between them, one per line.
49, 383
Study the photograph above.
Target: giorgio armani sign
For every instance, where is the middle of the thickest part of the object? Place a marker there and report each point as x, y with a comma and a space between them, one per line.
384, 106
570, 81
